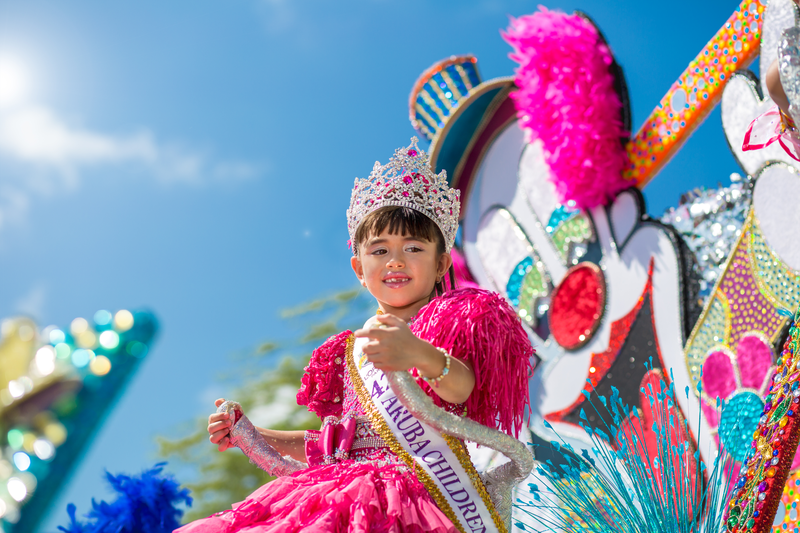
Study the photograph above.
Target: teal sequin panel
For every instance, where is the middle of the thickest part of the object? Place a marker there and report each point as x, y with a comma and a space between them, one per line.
514, 286
738, 421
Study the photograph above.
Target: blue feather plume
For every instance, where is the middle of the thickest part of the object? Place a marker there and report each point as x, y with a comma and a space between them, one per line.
145, 504
621, 489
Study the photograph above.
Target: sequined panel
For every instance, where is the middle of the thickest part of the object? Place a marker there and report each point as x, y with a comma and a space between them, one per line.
714, 328
601, 363
750, 310
570, 233
440, 90
778, 283
748, 286
557, 217
527, 283
790, 69
534, 286
503, 246
760, 489
710, 223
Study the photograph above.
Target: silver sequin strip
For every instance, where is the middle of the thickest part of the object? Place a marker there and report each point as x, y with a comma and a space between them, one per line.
789, 67
246, 437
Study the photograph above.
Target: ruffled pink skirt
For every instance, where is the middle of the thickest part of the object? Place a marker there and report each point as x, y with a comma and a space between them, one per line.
347, 497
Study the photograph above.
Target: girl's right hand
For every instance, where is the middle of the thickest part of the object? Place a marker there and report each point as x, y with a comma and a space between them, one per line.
219, 428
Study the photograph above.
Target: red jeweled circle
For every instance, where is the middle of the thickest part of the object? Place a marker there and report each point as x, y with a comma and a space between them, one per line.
576, 306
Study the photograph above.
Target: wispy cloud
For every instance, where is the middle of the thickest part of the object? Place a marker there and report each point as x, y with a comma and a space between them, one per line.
43, 154
34, 134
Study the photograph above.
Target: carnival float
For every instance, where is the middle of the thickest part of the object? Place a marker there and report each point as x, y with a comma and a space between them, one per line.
667, 382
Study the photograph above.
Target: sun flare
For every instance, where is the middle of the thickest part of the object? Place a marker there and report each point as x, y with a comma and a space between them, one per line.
13, 81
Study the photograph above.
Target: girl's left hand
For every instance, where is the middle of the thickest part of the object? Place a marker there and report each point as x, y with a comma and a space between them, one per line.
391, 344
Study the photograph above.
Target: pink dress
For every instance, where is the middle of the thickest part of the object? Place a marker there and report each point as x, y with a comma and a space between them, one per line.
354, 482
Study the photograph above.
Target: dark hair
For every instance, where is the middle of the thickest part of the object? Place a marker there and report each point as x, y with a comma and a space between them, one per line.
408, 222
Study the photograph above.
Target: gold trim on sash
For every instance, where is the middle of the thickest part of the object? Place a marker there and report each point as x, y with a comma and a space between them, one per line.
458, 448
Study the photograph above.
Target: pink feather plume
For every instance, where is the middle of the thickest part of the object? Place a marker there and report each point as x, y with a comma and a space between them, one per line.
464, 277
566, 98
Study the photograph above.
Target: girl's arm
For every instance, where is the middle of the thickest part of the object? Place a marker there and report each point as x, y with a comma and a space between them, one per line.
285, 442
393, 346
459, 382
290, 443
775, 88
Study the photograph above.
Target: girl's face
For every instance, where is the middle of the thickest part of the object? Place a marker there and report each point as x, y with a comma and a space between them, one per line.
400, 271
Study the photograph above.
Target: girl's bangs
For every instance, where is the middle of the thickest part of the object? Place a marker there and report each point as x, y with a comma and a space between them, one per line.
400, 221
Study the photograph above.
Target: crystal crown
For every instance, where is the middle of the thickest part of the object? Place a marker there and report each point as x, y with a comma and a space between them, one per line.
406, 181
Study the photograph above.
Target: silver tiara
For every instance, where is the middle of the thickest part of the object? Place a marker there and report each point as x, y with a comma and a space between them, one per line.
406, 181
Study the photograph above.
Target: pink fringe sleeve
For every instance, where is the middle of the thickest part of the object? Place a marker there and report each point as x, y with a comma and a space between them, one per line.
322, 388
480, 327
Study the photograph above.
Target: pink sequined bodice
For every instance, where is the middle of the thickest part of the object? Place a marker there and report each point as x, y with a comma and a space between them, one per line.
349, 437
472, 325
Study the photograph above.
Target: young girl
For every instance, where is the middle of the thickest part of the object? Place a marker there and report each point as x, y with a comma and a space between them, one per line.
466, 347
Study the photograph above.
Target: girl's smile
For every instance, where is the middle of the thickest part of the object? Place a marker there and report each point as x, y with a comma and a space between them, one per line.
396, 280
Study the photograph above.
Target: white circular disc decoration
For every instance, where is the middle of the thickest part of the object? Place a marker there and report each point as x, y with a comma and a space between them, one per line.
775, 200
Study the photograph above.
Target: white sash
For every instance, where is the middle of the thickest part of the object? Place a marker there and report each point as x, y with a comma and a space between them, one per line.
441, 463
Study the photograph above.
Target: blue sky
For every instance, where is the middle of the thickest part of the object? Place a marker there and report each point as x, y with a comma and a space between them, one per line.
195, 157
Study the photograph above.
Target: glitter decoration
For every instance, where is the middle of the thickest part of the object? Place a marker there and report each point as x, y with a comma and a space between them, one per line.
571, 232
534, 286
602, 362
695, 93
777, 282
526, 285
576, 306
710, 221
246, 437
716, 326
760, 489
514, 285
726, 377
559, 215
750, 310
789, 66
738, 421
744, 304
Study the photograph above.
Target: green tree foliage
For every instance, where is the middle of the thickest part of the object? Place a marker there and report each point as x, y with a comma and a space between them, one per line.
265, 380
